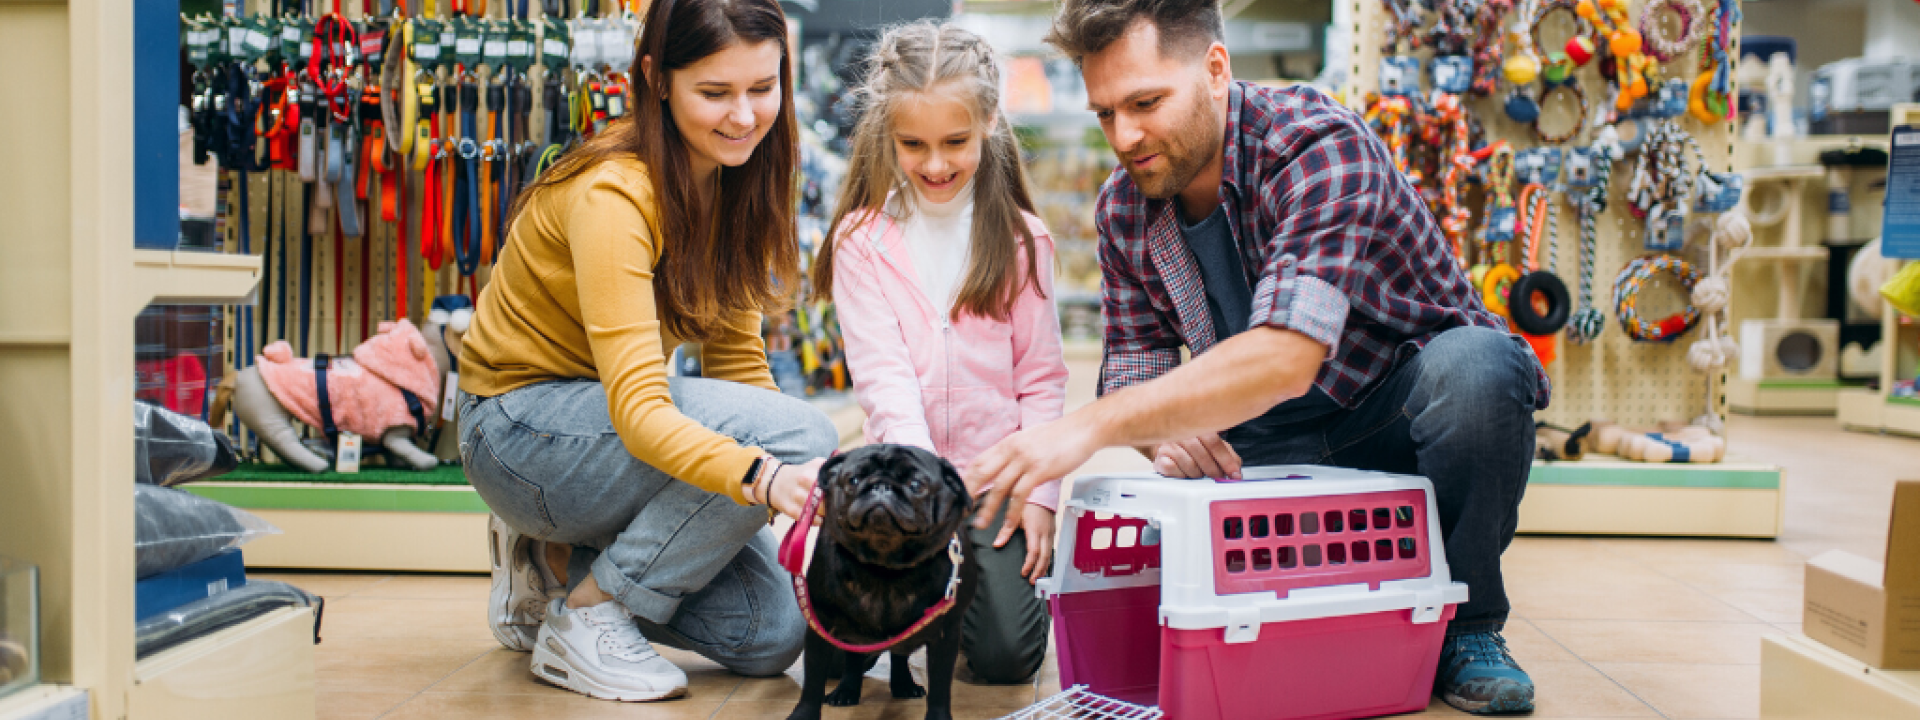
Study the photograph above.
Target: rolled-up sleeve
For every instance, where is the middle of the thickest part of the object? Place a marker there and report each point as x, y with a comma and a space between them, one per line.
1329, 200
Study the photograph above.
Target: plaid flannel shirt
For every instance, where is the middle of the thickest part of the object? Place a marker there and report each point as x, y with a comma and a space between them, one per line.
1337, 245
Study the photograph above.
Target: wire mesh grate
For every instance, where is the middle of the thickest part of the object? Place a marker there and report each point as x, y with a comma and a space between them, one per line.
1079, 704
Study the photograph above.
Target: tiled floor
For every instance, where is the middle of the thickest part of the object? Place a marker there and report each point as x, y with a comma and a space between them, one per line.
1608, 627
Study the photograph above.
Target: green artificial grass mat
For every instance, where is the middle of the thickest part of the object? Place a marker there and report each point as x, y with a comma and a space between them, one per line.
260, 472
1896, 400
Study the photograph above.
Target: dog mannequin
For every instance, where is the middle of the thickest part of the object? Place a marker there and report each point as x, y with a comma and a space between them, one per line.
364, 392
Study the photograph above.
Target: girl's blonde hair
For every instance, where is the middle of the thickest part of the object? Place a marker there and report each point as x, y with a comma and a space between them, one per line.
923, 57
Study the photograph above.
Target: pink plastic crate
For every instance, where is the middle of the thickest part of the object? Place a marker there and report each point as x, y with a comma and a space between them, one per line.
1158, 609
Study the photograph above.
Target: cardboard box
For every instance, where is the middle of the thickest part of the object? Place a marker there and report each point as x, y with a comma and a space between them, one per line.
1866, 609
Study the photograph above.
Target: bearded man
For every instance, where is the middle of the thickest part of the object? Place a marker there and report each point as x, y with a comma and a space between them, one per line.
1267, 231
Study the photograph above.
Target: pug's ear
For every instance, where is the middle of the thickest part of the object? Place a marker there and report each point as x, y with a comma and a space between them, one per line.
958, 485
829, 472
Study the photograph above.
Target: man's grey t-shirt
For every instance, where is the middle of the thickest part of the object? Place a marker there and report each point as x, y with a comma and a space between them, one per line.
1230, 304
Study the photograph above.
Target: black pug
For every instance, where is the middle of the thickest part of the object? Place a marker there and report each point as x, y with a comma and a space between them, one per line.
880, 563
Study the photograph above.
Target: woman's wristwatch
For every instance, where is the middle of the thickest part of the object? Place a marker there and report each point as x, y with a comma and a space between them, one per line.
759, 480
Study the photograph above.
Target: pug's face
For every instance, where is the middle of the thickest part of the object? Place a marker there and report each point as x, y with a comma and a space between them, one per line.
892, 505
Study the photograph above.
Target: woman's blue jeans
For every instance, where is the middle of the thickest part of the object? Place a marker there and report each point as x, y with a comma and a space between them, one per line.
697, 570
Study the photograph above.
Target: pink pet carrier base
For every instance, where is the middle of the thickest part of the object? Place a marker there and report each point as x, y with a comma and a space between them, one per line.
1363, 664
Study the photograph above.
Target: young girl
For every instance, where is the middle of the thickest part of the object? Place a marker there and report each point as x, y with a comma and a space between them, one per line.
675, 224
943, 280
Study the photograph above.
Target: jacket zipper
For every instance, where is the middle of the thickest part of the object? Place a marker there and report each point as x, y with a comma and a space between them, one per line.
946, 374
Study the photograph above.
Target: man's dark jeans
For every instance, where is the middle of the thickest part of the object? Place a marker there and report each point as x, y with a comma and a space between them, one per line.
1460, 412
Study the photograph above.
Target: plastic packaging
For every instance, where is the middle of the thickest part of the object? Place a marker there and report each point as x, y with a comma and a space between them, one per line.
202, 617
170, 448
1903, 291
174, 528
19, 625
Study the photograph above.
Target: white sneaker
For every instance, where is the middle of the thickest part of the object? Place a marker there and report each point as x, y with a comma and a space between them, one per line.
599, 652
521, 586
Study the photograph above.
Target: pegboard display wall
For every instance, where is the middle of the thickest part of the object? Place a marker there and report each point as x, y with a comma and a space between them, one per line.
1634, 383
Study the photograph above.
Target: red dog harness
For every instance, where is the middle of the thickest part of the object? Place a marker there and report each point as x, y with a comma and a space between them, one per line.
793, 557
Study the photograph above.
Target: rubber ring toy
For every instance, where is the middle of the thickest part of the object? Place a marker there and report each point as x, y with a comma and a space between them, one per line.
1495, 286
1626, 294
1539, 285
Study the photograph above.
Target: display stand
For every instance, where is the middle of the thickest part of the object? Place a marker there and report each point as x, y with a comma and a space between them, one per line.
1874, 410
1632, 383
1750, 392
1802, 679
68, 364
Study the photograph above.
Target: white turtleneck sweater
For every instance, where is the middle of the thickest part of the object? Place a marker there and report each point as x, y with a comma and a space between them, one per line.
938, 236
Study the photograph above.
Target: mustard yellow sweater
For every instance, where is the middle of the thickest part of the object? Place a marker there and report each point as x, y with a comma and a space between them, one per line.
572, 298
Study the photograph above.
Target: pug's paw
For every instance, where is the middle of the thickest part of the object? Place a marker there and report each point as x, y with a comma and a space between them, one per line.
908, 690
939, 714
805, 711
846, 695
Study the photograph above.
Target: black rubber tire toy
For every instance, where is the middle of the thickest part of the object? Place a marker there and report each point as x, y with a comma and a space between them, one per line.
1526, 317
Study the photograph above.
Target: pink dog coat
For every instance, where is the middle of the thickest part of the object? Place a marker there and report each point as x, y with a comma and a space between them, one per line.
363, 392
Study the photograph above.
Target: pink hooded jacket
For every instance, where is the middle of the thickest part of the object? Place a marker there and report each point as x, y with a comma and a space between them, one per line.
954, 387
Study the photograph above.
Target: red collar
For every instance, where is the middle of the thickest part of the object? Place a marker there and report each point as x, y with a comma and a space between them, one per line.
793, 557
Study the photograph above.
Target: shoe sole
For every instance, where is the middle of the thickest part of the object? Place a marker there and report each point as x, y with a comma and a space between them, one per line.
1509, 702
558, 672
514, 634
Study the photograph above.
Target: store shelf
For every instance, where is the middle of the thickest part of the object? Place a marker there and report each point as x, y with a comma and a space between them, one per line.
1602, 495
1785, 172
1802, 679
45, 702
172, 277
1784, 253
262, 668
374, 527
1783, 397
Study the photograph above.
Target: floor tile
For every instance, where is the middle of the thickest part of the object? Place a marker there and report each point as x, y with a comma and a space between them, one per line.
345, 705
1601, 598
408, 618
1768, 604
429, 587
331, 586
1575, 689
1655, 551
1529, 645
571, 706
1659, 642
1692, 692
391, 665
869, 709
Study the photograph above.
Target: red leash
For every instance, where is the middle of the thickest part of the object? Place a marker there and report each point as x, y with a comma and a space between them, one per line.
793, 557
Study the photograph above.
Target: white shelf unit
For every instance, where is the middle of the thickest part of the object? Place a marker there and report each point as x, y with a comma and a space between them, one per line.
1873, 410
71, 284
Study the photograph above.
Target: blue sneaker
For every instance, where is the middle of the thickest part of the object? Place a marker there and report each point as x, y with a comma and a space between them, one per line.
1478, 675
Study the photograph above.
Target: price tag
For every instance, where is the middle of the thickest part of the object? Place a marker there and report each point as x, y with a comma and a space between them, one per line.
553, 44
256, 43
586, 44
236, 41
347, 457
447, 398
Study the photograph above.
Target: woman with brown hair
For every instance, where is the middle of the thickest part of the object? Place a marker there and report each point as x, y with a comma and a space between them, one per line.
673, 225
